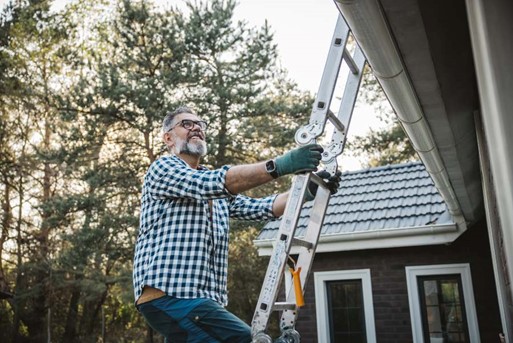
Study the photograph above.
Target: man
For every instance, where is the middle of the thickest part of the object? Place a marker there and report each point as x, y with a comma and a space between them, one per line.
180, 264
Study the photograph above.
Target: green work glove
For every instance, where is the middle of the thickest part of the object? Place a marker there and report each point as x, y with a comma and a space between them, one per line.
332, 183
302, 159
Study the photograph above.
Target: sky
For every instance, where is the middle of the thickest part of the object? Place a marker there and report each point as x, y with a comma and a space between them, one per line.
302, 30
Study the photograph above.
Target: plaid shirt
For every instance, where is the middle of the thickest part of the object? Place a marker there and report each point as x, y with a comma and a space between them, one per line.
182, 246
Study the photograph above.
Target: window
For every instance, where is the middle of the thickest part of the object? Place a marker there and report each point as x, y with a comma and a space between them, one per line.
345, 311
442, 309
442, 305
344, 307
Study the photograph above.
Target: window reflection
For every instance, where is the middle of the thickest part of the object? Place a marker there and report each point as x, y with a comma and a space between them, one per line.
443, 309
346, 311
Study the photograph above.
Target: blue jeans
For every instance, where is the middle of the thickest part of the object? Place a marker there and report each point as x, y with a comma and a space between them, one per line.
207, 322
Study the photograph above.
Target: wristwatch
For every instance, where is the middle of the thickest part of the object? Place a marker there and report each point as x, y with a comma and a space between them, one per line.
270, 167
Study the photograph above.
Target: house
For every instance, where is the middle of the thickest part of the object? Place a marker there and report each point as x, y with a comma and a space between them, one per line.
446, 68
383, 229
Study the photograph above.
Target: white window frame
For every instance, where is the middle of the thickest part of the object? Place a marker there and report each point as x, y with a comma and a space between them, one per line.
321, 301
463, 270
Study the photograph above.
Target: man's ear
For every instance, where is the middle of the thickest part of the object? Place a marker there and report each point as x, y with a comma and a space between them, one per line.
168, 140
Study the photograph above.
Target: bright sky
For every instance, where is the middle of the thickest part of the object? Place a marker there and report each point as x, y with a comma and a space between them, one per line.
303, 30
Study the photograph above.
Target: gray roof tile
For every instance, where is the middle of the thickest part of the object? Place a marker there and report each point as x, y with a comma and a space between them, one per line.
396, 196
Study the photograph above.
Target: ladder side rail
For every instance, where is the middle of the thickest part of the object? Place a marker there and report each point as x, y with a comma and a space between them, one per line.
308, 134
277, 262
345, 112
319, 115
318, 211
306, 256
351, 88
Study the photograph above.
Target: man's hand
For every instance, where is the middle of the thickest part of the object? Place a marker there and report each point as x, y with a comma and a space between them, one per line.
302, 159
332, 183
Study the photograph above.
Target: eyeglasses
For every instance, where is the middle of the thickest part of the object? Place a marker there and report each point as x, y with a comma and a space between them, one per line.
188, 124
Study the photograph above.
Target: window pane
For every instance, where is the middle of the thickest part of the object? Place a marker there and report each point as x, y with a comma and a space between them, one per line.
346, 311
450, 292
431, 293
443, 313
434, 320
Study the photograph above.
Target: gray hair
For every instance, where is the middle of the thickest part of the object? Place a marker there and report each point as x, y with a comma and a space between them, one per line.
168, 121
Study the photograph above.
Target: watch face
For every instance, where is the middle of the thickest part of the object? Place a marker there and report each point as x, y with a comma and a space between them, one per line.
269, 166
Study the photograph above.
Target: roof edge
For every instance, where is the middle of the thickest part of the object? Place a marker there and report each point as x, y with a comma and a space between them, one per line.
383, 168
379, 239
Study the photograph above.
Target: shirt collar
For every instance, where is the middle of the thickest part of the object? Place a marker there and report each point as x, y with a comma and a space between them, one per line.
182, 162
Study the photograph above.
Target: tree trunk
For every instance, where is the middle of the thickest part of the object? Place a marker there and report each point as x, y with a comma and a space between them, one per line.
20, 279
6, 224
42, 299
147, 145
70, 330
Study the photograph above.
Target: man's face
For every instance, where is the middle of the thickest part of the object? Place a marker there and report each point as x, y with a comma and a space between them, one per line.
189, 141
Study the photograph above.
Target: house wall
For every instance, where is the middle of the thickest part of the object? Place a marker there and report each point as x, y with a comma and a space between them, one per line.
390, 296
490, 30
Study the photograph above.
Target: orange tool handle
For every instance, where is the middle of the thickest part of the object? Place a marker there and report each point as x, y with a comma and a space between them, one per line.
300, 300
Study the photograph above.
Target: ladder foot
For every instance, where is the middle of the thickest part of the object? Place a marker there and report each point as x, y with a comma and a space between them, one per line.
262, 337
289, 336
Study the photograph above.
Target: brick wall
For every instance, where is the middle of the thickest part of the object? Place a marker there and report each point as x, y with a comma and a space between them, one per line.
388, 276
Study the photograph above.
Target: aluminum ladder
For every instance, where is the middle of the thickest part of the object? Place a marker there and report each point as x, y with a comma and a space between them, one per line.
286, 234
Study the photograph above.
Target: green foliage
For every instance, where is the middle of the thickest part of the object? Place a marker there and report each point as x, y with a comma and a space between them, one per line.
246, 272
234, 83
246, 275
80, 111
388, 145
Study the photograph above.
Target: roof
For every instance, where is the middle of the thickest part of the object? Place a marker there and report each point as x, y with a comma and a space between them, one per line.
377, 199
436, 49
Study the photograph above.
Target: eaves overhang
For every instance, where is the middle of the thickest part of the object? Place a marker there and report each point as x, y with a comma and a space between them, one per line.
421, 56
379, 239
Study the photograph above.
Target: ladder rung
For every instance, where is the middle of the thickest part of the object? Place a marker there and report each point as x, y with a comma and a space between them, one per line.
350, 62
320, 114
281, 306
335, 121
302, 242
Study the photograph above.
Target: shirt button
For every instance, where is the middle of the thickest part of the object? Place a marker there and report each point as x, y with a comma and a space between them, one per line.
196, 318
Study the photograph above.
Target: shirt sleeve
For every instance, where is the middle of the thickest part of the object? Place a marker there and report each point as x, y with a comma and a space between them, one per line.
243, 207
168, 179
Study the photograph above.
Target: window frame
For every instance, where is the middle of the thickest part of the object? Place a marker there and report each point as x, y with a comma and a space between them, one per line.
321, 300
463, 269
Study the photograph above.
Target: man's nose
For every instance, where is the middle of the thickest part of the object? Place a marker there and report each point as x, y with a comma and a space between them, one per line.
196, 127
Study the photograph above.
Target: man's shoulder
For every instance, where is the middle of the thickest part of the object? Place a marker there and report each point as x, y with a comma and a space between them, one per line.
167, 160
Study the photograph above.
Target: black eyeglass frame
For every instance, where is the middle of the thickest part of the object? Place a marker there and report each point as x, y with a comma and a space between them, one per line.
188, 124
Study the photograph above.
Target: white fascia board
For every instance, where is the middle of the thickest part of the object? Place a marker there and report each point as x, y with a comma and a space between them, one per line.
379, 239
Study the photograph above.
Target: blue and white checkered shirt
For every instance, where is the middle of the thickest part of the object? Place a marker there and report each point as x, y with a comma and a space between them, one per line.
182, 246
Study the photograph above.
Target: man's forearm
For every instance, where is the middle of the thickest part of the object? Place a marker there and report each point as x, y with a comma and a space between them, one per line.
279, 204
245, 177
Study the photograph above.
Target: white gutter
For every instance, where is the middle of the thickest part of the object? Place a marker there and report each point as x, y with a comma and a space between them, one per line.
386, 238
367, 23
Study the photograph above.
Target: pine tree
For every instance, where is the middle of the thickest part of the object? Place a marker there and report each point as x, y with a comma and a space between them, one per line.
79, 126
233, 81
388, 145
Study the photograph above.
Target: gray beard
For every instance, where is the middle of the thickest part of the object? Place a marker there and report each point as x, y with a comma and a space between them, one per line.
198, 148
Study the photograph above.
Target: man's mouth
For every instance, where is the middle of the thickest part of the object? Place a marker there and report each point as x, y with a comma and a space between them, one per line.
195, 137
